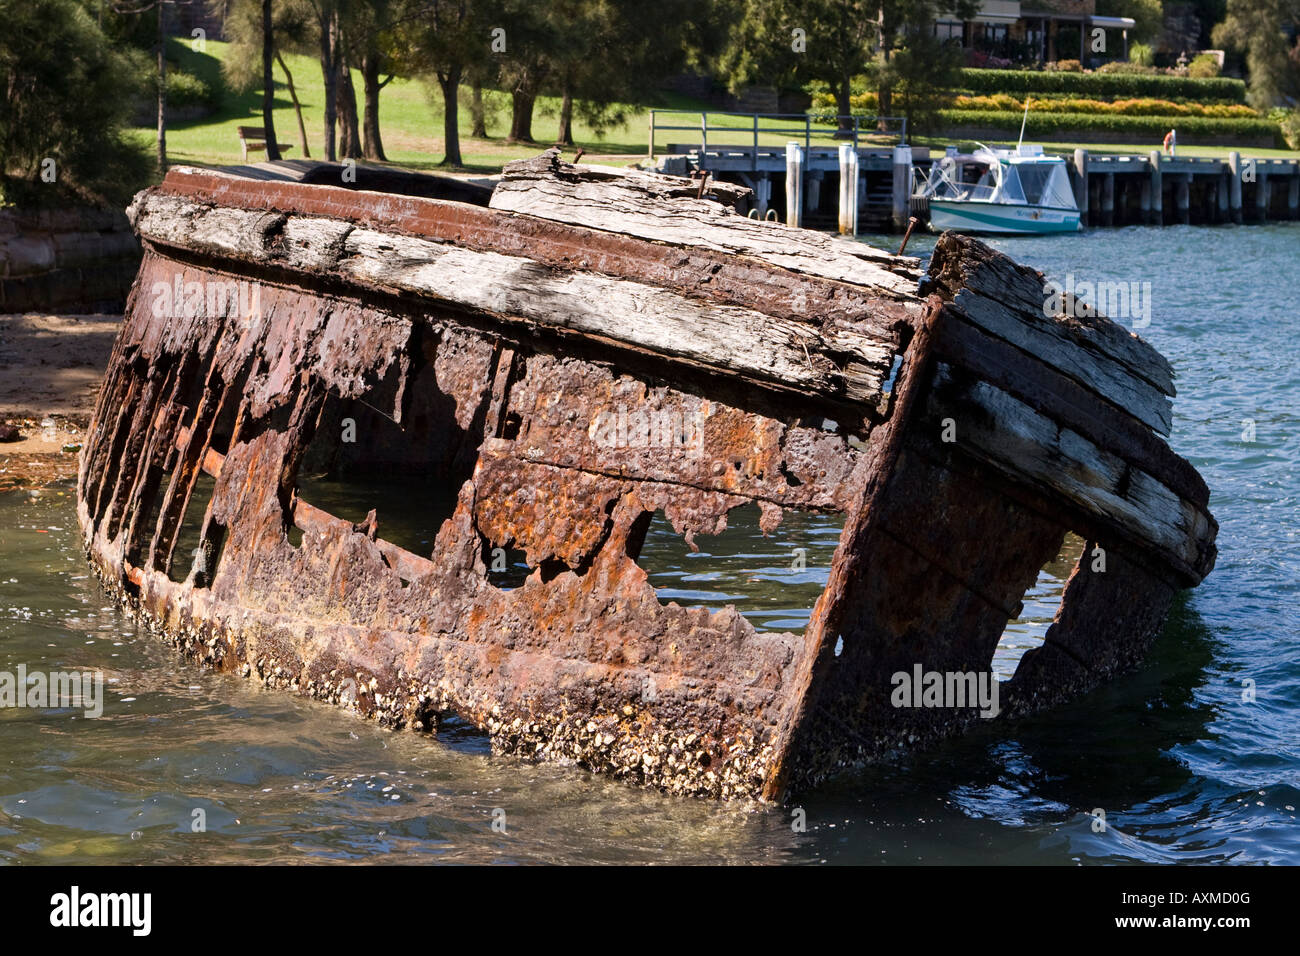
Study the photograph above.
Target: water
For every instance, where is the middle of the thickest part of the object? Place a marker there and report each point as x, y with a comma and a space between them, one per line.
1184, 769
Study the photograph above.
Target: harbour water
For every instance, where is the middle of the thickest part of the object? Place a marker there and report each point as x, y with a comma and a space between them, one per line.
189, 766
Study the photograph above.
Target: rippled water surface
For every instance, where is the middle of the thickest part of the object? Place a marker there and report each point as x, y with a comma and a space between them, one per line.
1185, 769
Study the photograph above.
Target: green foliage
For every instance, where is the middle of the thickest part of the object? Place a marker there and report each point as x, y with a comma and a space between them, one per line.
1203, 66
186, 89
1148, 14
1139, 127
1142, 55
1104, 85
69, 94
1289, 121
1272, 59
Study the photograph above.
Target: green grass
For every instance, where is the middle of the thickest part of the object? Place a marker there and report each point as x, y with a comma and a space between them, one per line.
411, 120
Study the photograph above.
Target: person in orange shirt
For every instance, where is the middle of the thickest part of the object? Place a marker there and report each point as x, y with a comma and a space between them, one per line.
1171, 142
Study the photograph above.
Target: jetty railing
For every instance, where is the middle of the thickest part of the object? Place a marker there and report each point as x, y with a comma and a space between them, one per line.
732, 129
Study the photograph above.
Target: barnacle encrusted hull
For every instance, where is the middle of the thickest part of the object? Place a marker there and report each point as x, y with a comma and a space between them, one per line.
960, 433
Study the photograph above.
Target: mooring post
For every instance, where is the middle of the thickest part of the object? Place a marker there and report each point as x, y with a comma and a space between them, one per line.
1081, 183
793, 184
812, 202
1263, 193
1144, 202
1108, 199
1234, 186
848, 190
1221, 199
1183, 197
763, 194
1293, 197
902, 205
1157, 209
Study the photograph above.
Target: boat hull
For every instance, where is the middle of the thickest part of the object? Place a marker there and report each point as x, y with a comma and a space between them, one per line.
989, 218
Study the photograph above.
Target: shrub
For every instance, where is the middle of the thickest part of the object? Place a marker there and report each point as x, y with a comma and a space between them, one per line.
186, 89
1065, 66
68, 97
1203, 66
1120, 66
1289, 121
1140, 54
1146, 127
1099, 85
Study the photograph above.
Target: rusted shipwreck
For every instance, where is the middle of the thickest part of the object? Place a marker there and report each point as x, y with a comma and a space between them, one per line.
475, 340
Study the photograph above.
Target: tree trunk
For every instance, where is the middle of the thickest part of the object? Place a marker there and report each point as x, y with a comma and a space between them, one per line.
843, 105
330, 75
372, 146
477, 116
521, 116
349, 127
566, 119
162, 93
450, 83
297, 107
268, 83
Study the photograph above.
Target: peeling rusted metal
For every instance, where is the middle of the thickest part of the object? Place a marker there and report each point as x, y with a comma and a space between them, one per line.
510, 410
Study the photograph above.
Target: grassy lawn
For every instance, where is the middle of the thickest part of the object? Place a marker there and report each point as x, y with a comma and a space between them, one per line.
411, 119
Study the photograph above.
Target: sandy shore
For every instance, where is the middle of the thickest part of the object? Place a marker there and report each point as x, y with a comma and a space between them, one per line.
50, 368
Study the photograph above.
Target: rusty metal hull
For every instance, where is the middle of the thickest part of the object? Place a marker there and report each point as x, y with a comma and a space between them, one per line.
208, 415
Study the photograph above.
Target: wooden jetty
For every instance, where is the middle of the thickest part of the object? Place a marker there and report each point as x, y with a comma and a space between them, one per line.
959, 431
1110, 189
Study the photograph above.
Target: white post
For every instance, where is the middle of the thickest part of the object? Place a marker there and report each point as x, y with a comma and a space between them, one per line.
793, 184
848, 190
902, 186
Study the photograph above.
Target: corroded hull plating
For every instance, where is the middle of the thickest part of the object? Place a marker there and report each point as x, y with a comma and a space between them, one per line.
276, 326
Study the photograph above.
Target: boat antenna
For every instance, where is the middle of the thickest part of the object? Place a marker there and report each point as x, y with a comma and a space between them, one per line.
1023, 120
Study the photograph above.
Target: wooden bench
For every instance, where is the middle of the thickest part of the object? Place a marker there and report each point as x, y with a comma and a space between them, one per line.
254, 138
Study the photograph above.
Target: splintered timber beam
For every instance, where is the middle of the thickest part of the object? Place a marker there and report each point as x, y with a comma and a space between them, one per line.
597, 347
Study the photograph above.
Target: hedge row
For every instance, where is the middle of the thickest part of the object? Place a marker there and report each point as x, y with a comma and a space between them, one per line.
1148, 127
1160, 86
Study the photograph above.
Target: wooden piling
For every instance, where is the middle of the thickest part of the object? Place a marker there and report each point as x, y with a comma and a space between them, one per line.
848, 190
1108, 199
902, 190
1293, 197
793, 184
763, 194
1234, 186
1221, 200
1081, 183
1157, 209
813, 201
1183, 197
1262, 195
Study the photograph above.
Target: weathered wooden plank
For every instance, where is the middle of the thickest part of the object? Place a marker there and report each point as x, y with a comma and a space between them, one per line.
1049, 341
1054, 394
632, 203
692, 271
847, 364
1031, 447
960, 262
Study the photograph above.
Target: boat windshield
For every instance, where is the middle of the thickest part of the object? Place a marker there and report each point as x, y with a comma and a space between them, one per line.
1045, 184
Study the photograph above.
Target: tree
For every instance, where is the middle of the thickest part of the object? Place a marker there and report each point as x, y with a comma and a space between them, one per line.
1148, 15
268, 83
449, 39
1272, 59
159, 9
292, 30
793, 42
68, 96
